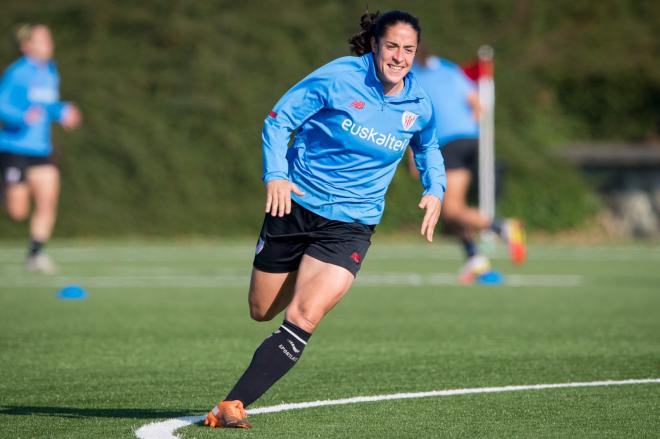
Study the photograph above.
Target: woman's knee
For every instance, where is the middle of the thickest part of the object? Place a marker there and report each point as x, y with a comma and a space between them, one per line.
17, 202
46, 208
305, 319
45, 202
260, 309
260, 313
269, 294
18, 213
452, 214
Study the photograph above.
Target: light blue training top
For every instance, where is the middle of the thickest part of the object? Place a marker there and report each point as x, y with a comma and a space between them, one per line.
350, 140
449, 89
29, 83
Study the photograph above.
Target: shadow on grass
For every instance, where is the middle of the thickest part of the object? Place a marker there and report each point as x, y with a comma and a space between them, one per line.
74, 412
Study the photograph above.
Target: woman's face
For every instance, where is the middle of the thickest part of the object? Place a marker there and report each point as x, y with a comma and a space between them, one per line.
40, 46
394, 55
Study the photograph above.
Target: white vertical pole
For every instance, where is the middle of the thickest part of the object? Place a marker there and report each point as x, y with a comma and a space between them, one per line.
486, 85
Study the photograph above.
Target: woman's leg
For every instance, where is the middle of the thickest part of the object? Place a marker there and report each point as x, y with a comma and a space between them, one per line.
318, 288
44, 183
17, 201
270, 293
464, 222
455, 209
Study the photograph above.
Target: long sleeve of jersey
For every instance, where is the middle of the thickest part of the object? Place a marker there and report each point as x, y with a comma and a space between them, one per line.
10, 112
300, 103
57, 110
429, 161
29, 84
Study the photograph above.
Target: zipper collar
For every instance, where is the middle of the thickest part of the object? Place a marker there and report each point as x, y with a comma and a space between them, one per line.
410, 91
37, 63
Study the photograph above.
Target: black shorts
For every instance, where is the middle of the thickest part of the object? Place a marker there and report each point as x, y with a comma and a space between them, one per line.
14, 167
462, 154
284, 240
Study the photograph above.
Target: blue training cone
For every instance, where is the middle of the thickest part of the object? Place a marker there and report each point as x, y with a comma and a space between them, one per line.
72, 292
491, 277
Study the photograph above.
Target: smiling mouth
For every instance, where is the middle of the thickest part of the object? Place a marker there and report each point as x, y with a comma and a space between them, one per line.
395, 68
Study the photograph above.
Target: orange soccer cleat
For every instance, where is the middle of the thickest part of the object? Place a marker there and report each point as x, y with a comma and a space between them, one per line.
227, 414
516, 239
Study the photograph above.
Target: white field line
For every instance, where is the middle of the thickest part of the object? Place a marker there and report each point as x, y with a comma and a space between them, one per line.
448, 251
188, 281
581, 255
166, 429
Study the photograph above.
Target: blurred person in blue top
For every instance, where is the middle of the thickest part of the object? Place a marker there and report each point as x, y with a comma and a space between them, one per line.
29, 104
456, 108
353, 121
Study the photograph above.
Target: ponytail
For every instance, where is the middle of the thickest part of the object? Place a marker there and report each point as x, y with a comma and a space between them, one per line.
360, 43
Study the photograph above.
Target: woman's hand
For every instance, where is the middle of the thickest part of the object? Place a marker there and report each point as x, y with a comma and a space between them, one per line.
278, 196
72, 117
433, 206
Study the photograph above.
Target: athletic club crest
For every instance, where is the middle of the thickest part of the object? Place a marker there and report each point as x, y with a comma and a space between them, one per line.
408, 119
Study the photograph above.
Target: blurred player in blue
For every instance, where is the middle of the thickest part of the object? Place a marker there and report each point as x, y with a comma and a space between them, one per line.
354, 118
29, 104
456, 110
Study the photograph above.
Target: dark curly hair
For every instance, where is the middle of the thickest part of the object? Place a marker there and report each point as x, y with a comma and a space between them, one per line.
375, 25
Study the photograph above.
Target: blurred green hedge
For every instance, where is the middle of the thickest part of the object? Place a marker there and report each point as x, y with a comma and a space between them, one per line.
174, 94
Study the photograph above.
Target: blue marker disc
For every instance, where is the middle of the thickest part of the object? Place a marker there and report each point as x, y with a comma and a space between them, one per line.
72, 292
491, 277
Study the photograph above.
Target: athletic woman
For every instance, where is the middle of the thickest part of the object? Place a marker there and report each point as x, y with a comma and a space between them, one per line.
324, 196
456, 109
29, 103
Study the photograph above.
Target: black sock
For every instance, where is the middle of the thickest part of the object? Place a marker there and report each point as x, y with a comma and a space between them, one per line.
35, 247
496, 226
274, 358
470, 247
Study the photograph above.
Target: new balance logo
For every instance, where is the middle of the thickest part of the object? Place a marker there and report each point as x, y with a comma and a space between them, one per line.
357, 104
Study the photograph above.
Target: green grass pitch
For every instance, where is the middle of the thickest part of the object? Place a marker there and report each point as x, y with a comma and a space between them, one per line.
165, 332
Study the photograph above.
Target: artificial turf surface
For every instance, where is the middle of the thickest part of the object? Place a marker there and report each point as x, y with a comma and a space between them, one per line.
164, 333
